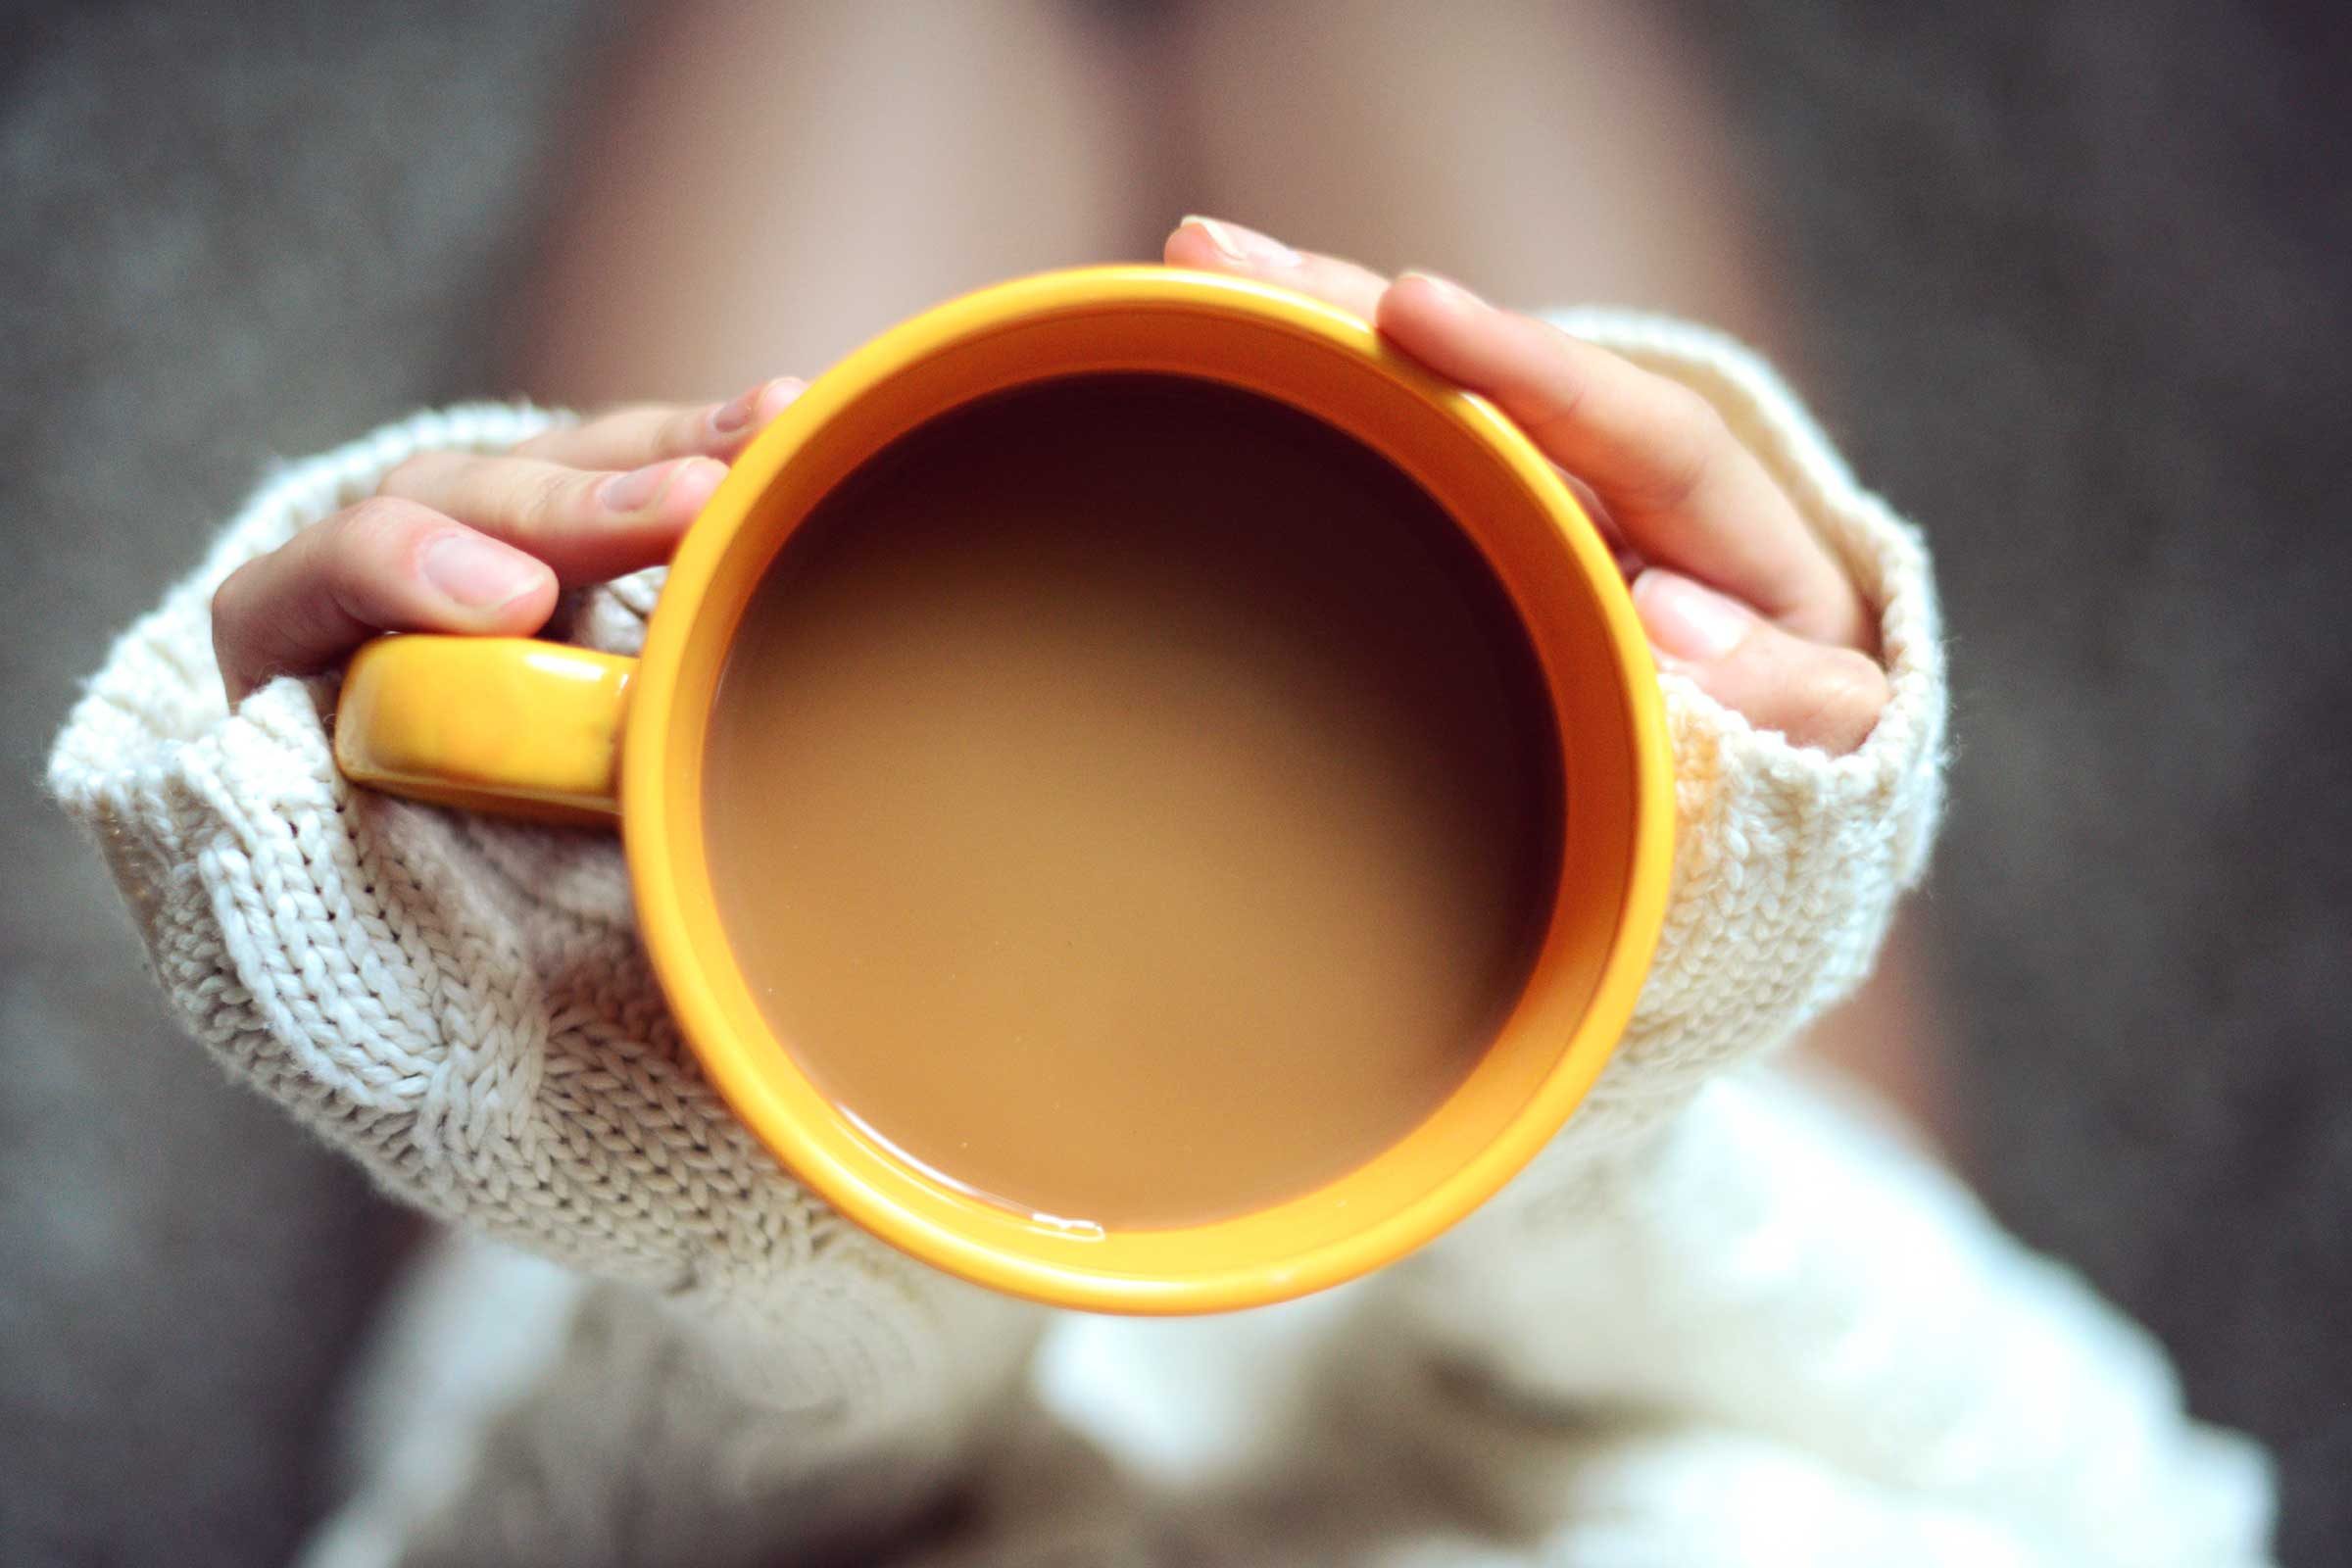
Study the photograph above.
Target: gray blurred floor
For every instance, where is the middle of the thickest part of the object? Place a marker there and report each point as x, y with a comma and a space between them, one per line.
220, 240
2077, 299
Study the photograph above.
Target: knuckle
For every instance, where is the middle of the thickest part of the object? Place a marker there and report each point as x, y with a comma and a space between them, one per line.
1844, 694
406, 475
618, 425
551, 495
1692, 437
233, 594
379, 527
682, 431
1565, 387
1692, 415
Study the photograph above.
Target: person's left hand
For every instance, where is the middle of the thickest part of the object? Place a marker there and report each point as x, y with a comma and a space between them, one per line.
1734, 589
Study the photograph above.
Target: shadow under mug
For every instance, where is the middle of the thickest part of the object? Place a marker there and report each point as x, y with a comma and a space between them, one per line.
539, 729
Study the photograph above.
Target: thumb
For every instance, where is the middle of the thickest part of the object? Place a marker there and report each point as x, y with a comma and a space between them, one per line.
1815, 695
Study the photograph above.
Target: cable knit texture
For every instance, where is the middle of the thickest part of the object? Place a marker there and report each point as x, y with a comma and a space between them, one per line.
460, 1005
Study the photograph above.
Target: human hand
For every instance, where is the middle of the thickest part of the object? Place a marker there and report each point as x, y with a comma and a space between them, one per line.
458, 542
1734, 589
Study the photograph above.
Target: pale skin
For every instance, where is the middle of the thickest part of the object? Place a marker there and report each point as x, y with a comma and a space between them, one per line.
1732, 587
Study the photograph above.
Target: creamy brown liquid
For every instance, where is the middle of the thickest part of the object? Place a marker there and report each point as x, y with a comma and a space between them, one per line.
1133, 801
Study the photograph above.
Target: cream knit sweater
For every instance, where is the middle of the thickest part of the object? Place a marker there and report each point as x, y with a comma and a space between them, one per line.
1723, 1320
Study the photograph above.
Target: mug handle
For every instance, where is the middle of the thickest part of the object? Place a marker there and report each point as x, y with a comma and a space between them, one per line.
503, 725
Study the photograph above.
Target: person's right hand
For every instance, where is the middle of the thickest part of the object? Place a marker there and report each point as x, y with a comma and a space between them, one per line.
464, 542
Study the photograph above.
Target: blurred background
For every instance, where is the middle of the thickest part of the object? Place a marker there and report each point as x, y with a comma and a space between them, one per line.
2068, 280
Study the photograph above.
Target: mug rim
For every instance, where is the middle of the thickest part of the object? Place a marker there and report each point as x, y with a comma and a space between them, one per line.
651, 799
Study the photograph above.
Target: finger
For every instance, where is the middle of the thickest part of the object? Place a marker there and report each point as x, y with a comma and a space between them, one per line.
1215, 246
1815, 695
385, 564
1684, 489
588, 526
632, 437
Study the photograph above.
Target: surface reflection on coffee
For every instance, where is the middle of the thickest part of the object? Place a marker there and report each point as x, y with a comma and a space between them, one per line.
1133, 800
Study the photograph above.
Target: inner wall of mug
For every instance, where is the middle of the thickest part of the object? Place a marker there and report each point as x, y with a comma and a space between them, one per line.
1540, 1060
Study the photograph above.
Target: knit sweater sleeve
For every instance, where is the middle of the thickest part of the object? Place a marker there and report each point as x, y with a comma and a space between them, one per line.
1712, 1241
460, 1005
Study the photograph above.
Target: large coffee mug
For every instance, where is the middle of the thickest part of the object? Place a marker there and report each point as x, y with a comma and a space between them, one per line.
562, 734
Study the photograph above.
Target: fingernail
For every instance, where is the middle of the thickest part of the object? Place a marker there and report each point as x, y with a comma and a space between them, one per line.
730, 417
1688, 621
1445, 286
477, 572
1238, 244
636, 489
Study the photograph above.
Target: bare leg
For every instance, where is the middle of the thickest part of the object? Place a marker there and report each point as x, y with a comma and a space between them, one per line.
1544, 154
761, 186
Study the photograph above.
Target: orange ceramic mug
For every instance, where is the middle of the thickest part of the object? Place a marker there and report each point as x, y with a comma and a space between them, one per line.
537, 729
